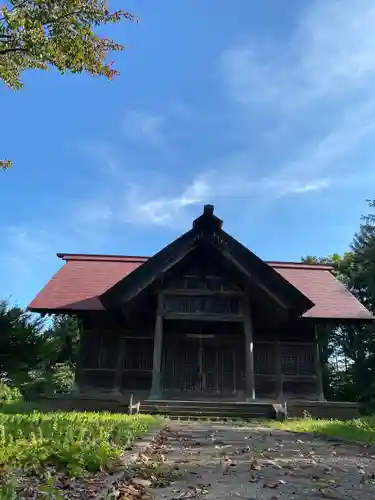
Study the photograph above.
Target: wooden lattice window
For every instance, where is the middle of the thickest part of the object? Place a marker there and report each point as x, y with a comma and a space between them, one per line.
289, 364
306, 365
298, 359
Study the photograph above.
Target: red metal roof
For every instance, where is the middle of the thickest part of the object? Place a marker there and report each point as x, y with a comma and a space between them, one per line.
83, 278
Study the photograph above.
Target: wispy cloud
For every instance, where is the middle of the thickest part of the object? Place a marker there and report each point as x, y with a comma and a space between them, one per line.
147, 209
144, 127
330, 54
317, 91
162, 210
104, 155
321, 81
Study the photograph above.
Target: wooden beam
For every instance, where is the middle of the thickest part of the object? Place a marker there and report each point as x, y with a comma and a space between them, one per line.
288, 343
205, 316
251, 279
201, 292
279, 372
79, 365
249, 353
318, 367
155, 392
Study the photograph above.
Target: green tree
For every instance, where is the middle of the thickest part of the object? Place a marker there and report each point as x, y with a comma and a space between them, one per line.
38, 34
350, 364
21, 343
34, 357
61, 341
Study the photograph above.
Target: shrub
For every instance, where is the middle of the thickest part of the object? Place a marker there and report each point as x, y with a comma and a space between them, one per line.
9, 394
62, 380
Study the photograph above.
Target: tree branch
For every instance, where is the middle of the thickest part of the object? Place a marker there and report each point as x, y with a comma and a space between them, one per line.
3, 52
20, 5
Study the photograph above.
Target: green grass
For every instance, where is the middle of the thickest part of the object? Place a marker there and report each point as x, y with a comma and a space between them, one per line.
76, 442
360, 429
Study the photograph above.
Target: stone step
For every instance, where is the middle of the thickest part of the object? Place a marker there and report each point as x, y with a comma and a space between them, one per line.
209, 409
207, 403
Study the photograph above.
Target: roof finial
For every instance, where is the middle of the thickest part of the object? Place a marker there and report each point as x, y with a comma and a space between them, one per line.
208, 221
208, 210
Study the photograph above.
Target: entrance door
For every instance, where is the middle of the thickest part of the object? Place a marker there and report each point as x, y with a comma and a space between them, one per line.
201, 364
204, 370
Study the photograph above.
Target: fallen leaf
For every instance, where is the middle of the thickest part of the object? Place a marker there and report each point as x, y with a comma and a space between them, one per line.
271, 485
145, 483
254, 479
254, 465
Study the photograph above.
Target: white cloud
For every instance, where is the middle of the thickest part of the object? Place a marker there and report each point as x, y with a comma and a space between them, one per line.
323, 76
104, 155
330, 54
144, 127
162, 210
215, 186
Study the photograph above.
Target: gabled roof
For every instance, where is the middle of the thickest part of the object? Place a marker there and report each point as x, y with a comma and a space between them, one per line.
207, 234
84, 280
81, 281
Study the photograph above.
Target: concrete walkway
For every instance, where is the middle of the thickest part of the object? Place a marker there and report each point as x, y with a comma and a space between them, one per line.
223, 461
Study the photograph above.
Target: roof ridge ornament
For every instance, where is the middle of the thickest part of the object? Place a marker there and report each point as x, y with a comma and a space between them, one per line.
208, 223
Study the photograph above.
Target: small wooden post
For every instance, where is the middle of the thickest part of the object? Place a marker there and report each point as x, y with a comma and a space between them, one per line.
158, 342
318, 368
249, 353
279, 372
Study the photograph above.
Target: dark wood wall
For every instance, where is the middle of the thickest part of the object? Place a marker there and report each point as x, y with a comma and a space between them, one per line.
115, 353
113, 356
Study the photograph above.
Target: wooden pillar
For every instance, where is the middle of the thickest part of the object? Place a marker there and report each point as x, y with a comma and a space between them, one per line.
158, 342
79, 364
249, 353
318, 367
279, 372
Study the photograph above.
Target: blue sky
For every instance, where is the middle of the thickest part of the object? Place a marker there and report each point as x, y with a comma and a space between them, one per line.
266, 109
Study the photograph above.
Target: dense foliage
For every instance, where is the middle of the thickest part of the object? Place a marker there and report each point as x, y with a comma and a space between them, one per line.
36, 357
359, 429
349, 350
39, 34
36, 34
76, 442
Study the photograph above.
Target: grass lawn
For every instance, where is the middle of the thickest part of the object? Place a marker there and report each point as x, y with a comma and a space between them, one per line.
360, 429
75, 442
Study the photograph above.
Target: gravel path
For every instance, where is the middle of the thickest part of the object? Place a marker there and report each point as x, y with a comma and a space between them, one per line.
223, 462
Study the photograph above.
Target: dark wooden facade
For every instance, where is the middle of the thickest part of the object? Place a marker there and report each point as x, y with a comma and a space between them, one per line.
202, 328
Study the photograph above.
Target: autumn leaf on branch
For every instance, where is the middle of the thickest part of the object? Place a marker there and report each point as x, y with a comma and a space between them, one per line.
5, 164
36, 34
